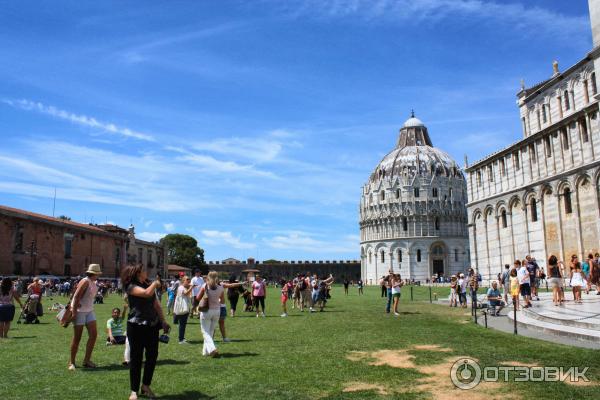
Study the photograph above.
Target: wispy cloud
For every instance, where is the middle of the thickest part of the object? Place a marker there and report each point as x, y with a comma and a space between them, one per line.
220, 238
308, 243
78, 119
535, 19
169, 227
150, 236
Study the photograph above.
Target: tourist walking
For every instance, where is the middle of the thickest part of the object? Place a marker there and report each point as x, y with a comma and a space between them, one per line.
462, 287
534, 273
473, 286
144, 322
346, 285
524, 282
223, 310
209, 317
285, 288
82, 308
515, 287
197, 283
183, 306
259, 293
505, 282
360, 285
586, 269
555, 280
233, 294
7, 307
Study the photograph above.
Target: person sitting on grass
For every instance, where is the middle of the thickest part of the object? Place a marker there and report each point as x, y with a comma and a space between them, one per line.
114, 327
495, 299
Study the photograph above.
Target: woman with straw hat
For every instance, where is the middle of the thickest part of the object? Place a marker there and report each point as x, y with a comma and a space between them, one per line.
82, 307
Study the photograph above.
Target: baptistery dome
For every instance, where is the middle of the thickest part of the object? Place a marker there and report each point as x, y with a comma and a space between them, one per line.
413, 211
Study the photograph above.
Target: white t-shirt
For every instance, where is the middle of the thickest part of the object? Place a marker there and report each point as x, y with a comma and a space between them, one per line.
197, 283
523, 275
463, 285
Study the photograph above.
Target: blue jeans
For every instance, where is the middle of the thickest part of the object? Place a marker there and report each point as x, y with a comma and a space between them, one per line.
182, 321
388, 307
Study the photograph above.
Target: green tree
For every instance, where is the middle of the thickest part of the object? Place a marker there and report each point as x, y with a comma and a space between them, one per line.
183, 250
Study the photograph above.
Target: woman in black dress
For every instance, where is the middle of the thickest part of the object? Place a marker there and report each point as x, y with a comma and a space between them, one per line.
143, 325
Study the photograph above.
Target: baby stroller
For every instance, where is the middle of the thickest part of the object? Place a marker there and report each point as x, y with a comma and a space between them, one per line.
248, 303
30, 310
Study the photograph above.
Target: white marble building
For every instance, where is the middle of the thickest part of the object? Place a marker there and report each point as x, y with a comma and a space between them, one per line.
413, 211
539, 196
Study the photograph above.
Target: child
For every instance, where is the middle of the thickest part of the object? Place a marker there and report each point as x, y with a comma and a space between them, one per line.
285, 287
514, 288
170, 299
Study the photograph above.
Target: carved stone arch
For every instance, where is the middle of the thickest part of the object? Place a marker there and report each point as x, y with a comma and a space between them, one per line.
514, 201
564, 184
572, 82
529, 193
488, 211
546, 189
500, 206
586, 73
579, 179
475, 215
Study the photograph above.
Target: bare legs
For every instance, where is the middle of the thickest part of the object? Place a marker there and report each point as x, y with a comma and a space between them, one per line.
4, 328
89, 348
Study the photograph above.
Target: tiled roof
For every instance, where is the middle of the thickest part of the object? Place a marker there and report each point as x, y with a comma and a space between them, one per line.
15, 212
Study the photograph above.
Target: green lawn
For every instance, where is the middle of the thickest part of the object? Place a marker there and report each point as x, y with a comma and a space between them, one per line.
304, 356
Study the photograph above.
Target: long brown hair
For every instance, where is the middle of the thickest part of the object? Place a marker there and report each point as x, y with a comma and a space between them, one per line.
130, 274
6, 286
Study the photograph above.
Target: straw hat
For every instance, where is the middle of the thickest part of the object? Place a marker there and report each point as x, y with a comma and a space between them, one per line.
94, 269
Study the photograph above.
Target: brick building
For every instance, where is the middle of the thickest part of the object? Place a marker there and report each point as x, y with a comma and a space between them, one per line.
36, 244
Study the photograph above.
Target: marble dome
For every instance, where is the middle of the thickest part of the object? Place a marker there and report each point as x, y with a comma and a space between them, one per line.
413, 211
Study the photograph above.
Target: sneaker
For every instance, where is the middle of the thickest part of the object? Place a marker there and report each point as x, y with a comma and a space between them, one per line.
183, 341
396, 314
257, 315
263, 314
71, 367
226, 340
284, 315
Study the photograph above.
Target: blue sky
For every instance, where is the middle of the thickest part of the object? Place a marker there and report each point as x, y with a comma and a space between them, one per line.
253, 125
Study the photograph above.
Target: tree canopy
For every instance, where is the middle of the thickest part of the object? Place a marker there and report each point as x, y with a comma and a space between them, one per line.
183, 250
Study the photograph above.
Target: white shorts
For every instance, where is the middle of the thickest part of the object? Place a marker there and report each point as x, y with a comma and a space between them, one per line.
84, 318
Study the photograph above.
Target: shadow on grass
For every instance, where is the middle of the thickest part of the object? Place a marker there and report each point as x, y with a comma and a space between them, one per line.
409, 312
187, 395
171, 362
236, 355
22, 337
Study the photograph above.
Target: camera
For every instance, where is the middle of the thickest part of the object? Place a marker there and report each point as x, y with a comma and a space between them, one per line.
163, 338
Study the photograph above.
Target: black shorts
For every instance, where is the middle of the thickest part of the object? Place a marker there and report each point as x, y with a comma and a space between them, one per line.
7, 312
525, 289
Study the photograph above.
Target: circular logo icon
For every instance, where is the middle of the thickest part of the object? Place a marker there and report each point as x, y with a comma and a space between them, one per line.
465, 373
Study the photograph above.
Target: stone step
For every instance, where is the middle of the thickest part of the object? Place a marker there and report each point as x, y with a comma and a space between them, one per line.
576, 319
573, 332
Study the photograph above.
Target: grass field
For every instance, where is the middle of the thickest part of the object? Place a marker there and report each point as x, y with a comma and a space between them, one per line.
351, 351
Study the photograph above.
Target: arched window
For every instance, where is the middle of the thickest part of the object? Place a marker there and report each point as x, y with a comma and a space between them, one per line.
594, 87
434, 192
370, 259
397, 193
533, 207
404, 224
437, 223
567, 101
382, 256
568, 205
382, 195
504, 224
399, 255
419, 255
417, 193
544, 116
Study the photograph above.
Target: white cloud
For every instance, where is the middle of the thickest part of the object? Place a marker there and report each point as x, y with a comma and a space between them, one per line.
150, 236
170, 227
306, 243
256, 149
148, 223
220, 238
83, 120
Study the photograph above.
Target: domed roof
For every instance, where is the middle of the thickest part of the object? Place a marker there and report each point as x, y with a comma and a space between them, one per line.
415, 155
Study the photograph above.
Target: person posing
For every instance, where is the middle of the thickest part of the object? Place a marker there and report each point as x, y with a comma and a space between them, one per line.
144, 322
462, 287
7, 306
505, 282
397, 283
170, 298
473, 285
586, 269
534, 273
346, 285
209, 318
360, 285
184, 306
259, 293
223, 310
114, 327
82, 308
388, 285
577, 281
453, 291
319, 294
285, 288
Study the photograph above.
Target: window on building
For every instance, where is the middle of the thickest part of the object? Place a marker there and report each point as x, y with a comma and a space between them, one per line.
532, 155
437, 223
504, 222
490, 173
478, 178
567, 197
140, 255
404, 224
370, 259
19, 238
565, 139
17, 268
548, 146
502, 167
516, 160
537, 112
455, 254
149, 260
382, 195
117, 256
567, 101
399, 255
560, 106
584, 131
434, 192
67, 270
419, 255
382, 256
417, 193
533, 207
544, 114
68, 246
397, 193
593, 80
524, 126
586, 92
